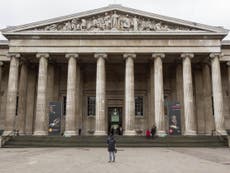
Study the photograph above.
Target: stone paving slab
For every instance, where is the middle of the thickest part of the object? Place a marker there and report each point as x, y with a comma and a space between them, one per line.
133, 160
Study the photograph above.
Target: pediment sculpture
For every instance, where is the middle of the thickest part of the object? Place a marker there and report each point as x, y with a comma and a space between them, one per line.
114, 21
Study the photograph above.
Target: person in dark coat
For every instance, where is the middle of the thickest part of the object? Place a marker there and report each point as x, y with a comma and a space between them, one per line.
111, 142
153, 131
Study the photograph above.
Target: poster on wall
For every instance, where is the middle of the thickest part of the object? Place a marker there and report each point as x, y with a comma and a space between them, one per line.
54, 118
174, 118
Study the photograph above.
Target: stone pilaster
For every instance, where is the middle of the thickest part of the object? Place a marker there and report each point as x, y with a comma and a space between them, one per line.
31, 98
100, 128
22, 98
228, 68
1, 64
179, 93
190, 127
129, 95
217, 93
70, 122
207, 100
41, 105
159, 93
151, 119
12, 94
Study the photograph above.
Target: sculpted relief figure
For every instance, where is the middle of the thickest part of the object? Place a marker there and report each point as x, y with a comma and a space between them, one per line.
135, 23
112, 21
125, 22
107, 20
52, 27
83, 24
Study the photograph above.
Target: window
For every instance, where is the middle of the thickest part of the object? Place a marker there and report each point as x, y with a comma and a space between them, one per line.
64, 105
139, 106
91, 106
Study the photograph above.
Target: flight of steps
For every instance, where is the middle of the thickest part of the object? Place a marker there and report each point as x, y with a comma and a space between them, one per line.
122, 141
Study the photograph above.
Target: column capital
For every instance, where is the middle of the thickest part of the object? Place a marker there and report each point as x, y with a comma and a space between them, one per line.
100, 55
1, 63
214, 55
42, 55
71, 55
158, 55
187, 55
14, 55
129, 55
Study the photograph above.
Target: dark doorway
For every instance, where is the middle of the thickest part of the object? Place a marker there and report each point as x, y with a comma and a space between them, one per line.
114, 120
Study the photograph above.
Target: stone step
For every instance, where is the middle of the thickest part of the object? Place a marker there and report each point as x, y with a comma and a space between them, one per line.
122, 141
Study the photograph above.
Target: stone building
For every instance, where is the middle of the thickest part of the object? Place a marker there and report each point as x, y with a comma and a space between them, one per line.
115, 66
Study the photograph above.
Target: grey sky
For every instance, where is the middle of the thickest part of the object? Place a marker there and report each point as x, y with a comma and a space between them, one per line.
210, 12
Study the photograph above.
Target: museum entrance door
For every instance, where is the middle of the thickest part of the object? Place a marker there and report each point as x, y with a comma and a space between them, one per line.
114, 120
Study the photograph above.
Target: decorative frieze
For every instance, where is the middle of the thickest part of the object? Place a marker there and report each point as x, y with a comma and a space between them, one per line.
114, 21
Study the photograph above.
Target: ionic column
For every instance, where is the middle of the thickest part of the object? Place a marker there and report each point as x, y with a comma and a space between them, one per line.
22, 98
190, 127
41, 105
159, 93
11, 94
100, 128
129, 95
70, 122
217, 93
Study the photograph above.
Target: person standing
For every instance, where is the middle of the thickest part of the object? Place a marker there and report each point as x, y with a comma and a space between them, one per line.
153, 131
111, 142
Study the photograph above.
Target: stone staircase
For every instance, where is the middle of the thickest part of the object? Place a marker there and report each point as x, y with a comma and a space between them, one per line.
122, 141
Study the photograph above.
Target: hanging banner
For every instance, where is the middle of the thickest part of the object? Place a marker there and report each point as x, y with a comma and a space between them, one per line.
54, 118
174, 118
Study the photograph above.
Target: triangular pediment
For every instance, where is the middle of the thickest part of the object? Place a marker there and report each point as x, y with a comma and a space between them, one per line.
114, 18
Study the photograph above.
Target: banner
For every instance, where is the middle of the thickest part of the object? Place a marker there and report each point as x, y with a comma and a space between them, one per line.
54, 118
174, 118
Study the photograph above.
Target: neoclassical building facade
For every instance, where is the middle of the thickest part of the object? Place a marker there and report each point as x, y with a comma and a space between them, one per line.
115, 67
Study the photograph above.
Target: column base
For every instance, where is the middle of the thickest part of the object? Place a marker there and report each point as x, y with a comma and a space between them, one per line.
190, 133
221, 132
100, 133
40, 133
8, 133
70, 133
130, 133
161, 133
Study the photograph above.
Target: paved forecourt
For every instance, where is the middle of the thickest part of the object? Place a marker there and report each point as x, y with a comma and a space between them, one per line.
134, 160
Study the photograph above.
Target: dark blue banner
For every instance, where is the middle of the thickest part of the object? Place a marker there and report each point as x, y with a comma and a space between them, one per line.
174, 118
55, 114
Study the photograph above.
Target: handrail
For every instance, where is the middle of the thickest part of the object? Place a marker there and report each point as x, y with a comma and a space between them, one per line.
5, 138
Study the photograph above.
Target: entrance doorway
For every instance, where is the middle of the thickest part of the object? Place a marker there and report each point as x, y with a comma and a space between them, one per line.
114, 120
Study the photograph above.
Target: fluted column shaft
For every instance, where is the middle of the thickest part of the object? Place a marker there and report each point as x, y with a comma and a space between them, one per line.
217, 93
70, 122
100, 128
159, 93
129, 94
11, 94
190, 128
41, 105
22, 98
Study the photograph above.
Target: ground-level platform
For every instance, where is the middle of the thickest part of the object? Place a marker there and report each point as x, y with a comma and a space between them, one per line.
128, 160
